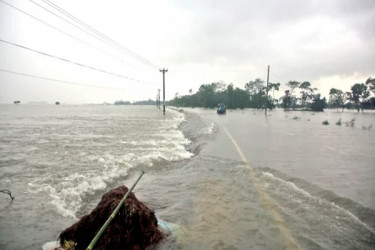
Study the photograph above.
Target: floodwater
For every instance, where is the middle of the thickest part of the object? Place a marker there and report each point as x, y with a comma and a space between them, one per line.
234, 181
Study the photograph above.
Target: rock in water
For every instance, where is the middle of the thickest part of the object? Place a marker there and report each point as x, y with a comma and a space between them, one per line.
134, 227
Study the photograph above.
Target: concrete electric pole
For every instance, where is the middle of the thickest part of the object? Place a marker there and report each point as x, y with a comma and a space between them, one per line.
163, 71
268, 76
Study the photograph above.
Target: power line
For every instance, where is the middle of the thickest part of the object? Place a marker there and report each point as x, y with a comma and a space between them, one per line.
49, 25
55, 80
61, 31
80, 28
72, 62
102, 36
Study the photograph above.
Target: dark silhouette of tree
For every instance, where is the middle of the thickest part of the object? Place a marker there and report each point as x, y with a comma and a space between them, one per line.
318, 104
292, 85
336, 98
370, 82
286, 100
359, 94
307, 93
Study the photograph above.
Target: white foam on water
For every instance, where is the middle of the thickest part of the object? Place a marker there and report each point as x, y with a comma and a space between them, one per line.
145, 142
317, 199
210, 129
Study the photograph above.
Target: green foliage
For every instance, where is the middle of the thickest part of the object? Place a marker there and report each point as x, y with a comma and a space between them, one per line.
359, 94
318, 104
286, 100
371, 84
338, 123
293, 85
209, 95
255, 87
336, 98
148, 102
325, 122
254, 95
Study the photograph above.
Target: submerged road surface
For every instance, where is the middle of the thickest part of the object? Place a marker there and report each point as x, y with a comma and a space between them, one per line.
278, 185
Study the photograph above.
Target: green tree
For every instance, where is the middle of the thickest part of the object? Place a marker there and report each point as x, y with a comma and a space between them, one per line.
359, 94
371, 84
206, 95
318, 104
254, 87
273, 87
336, 97
286, 100
307, 93
256, 91
292, 85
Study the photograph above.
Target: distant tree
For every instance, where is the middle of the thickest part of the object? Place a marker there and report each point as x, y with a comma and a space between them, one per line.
306, 92
336, 97
190, 91
230, 93
120, 102
273, 86
359, 94
318, 103
348, 104
148, 102
206, 95
254, 87
370, 82
286, 100
257, 94
240, 98
221, 86
292, 85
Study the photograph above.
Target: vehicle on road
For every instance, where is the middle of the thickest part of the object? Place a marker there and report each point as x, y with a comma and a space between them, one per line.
221, 108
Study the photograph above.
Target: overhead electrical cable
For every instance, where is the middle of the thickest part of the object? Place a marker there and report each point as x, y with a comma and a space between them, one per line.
56, 80
73, 62
103, 36
61, 31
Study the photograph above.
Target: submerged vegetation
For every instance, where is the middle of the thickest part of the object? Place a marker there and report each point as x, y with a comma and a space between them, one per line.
350, 123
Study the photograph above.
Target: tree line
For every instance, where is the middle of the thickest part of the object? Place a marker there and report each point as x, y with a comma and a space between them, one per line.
255, 94
360, 97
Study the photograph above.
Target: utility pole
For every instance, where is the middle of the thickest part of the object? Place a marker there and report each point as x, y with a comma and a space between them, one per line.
268, 76
163, 71
158, 101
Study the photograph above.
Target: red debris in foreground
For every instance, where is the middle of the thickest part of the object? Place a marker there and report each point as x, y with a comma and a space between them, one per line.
134, 227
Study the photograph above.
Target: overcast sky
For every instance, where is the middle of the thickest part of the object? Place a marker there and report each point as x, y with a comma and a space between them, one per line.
330, 43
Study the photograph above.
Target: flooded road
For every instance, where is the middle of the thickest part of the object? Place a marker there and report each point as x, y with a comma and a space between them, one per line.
336, 158
234, 181
273, 182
